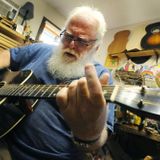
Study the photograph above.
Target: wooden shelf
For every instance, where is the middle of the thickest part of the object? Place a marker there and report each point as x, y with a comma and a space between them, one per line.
11, 33
134, 130
138, 53
113, 59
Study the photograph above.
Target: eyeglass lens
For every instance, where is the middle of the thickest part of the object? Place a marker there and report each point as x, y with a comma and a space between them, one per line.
66, 37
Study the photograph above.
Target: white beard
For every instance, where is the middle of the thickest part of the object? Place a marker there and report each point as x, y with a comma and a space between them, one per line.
64, 70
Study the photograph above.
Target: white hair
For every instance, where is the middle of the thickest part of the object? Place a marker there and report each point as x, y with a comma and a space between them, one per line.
93, 13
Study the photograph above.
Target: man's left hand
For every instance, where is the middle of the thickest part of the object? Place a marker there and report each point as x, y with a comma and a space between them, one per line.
83, 105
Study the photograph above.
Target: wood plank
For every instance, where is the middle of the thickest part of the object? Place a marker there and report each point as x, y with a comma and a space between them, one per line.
11, 33
5, 44
2, 47
9, 42
141, 53
9, 39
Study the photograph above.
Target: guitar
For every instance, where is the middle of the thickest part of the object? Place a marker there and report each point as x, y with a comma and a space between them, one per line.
118, 45
152, 38
19, 97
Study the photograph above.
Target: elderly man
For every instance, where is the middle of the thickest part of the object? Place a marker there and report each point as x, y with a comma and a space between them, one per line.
77, 122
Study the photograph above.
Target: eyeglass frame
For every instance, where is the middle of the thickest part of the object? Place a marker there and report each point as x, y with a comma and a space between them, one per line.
80, 42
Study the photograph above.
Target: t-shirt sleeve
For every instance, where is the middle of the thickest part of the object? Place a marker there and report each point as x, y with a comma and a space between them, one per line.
22, 56
101, 70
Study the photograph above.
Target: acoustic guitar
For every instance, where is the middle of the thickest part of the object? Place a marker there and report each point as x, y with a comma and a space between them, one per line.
118, 45
19, 97
151, 40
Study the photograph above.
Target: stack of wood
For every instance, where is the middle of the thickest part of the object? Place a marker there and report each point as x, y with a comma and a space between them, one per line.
7, 22
9, 38
7, 42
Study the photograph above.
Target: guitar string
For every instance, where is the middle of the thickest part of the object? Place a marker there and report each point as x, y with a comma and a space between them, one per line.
13, 88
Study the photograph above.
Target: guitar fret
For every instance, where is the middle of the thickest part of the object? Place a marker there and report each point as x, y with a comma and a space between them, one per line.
40, 91
17, 90
8, 90
34, 90
30, 89
27, 89
48, 87
53, 91
24, 89
43, 91
3, 90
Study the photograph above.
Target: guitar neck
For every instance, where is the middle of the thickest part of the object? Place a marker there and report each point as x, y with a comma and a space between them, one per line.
39, 91
135, 98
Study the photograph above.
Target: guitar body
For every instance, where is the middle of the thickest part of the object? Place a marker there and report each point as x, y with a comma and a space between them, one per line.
118, 45
12, 110
152, 38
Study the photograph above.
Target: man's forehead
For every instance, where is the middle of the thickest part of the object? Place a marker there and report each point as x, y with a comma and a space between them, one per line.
89, 21
82, 24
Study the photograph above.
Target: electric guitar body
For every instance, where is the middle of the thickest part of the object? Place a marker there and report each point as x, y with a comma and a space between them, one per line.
151, 40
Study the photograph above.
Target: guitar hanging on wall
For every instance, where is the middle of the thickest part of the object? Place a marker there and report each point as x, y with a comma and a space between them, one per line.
151, 40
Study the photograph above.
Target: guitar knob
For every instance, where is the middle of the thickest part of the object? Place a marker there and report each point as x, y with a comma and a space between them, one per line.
143, 89
140, 103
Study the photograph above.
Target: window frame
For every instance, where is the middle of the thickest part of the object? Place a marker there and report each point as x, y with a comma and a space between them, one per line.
42, 27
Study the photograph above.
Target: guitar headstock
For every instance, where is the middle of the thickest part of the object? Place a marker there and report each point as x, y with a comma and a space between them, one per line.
141, 100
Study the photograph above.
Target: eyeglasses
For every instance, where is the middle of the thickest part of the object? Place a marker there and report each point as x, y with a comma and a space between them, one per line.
68, 38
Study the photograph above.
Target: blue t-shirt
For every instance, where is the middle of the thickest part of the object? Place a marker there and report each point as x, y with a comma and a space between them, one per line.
43, 134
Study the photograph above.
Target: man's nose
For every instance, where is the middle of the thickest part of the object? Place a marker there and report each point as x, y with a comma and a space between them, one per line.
72, 44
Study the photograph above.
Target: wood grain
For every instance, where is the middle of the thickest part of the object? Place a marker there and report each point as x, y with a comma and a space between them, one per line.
118, 45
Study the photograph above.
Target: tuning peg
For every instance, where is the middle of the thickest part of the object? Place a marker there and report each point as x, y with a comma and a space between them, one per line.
143, 90
140, 103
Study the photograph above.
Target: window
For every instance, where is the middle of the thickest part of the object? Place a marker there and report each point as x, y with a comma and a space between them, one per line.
48, 32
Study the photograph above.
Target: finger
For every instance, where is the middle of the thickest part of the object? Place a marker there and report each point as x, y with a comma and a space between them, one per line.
94, 85
104, 79
72, 93
62, 98
82, 89
92, 79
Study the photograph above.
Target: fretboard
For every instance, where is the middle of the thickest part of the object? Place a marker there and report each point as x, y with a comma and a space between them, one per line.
40, 91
